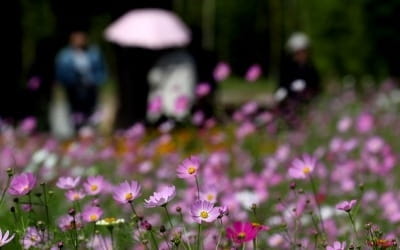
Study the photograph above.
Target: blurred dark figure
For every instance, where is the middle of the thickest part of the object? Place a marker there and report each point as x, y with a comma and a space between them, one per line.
11, 106
206, 61
41, 79
299, 80
133, 65
80, 68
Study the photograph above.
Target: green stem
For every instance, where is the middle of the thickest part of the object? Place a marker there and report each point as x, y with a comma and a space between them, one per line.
46, 208
255, 243
314, 189
243, 246
3, 194
199, 236
198, 188
153, 239
112, 236
353, 225
168, 215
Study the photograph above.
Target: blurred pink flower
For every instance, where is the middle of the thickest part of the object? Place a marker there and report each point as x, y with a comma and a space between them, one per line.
155, 105
34, 83
22, 184
75, 195
302, 168
203, 89
94, 185
346, 205
68, 182
253, 73
337, 246
181, 104
365, 123
221, 71
91, 214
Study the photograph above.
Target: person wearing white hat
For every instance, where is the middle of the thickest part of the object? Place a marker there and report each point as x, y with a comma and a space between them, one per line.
298, 78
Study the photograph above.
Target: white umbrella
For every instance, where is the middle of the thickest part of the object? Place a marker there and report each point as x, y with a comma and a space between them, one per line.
148, 28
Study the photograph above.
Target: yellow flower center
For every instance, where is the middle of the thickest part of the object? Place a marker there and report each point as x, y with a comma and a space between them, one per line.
93, 188
191, 170
76, 196
255, 224
306, 170
210, 197
241, 235
93, 217
110, 220
204, 214
129, 196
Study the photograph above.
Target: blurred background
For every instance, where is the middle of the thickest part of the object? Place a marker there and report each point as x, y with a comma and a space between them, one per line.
351, 41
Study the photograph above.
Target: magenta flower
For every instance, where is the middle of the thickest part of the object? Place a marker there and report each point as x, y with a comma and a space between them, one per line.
91, 214
221, 71
126, 192
158, 199
302, 168
188, 168
68, 182
337, 246
346, 205
6, 238
75, 195
68, 222
155, 105
181, 104
203, 89
204, 211
22, 184
241, 232
253, 73
94, 185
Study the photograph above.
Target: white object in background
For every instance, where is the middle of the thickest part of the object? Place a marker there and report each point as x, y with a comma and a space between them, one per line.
59, 117
172, 80
149, 28
280, 94
298, 41
298, 85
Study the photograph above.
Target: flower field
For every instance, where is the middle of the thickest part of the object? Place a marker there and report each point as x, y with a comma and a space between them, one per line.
331, 182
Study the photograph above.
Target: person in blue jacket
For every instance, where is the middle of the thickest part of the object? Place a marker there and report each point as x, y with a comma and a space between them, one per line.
81, 69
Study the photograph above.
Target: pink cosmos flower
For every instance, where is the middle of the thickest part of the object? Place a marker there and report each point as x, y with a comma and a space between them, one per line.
28, 125
346, 205
126, 192
158, 199
68, 182
221, 71
188, 168
181, 104
94, 185
6, 238
22, 184
75, 195
337, 246
203, 89
33, 238
241, 232
68, 222
92, 214
253, 73
302, 168
155, 105
204, 211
